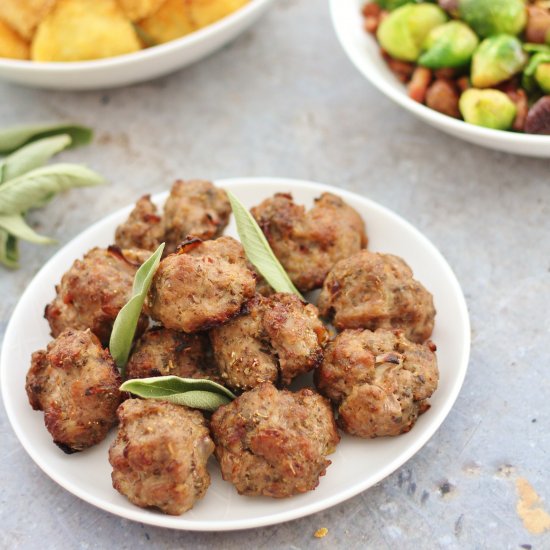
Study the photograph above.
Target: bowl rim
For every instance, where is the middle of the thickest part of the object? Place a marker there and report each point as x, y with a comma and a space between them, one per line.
154, 52
338, 9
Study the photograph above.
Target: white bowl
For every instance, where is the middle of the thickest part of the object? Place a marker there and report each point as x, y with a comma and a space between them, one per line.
364, 52
134, 67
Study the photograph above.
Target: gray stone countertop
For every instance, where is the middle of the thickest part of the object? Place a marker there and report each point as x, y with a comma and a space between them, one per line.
283, 100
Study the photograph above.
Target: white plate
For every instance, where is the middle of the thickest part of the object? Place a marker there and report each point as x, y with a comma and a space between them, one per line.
134, 67
364, 52
357, 464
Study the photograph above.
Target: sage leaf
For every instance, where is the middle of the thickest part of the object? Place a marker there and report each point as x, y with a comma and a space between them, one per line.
17, 226
124, 327
196, 393
9, 252
32, 156
258, 250
17, 136
33, 188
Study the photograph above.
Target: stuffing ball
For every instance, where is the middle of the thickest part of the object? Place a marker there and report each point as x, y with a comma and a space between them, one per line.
201, 286
94, 290
278, 338
309, 243
380, 381
194, 208
164, 352
371, 290
159, 455
274, 442
75, 382
143, 228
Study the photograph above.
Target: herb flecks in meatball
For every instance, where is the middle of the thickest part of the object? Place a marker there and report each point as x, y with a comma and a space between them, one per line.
143, 228
380, 381
196, 208
273, 442
371, 290
164, 352
94, 290
278, 338
309, 243
201, 286
75, 382
159, 455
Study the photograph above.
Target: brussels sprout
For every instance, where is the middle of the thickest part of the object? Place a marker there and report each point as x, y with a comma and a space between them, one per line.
404, 30
542, 76
533, 77
391, 5
497, 58
489, 108
449, 45
489, 17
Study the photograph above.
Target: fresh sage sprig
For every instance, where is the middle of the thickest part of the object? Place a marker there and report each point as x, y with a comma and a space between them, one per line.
124, 327
25, 183
196, 393
33, 188
32, 156
17, 136
258, 250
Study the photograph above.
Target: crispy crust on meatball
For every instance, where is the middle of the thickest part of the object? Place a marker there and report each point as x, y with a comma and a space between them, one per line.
371, 290
75, 382
278, 338
143, 229
309, 243
194, 208
380, 381
201, 286
159, 455
274, 443
164, 352
94, 290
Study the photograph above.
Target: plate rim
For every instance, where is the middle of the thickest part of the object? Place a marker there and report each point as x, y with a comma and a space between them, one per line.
189, 40
308, 509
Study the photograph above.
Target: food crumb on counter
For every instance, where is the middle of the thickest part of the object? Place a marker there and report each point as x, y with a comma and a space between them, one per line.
320, 533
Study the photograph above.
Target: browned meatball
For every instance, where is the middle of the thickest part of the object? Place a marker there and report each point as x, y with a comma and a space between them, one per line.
380, 381
274, 443
309, 243
201, 286
196, 208
143, 228
165, 352
277, 339
94, 290
75, 382
371, 290
159, 455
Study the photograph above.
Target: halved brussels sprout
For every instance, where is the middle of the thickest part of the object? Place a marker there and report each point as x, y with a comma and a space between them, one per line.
449, 45
532, 76
488, 108
391, 5
490, 17
404, 30
497, 58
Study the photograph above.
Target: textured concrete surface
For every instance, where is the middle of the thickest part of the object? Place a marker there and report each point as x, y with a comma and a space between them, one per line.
283, 100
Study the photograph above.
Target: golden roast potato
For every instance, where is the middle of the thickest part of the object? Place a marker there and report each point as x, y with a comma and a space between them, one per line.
77, 30
140, 9
11, 44
24, 15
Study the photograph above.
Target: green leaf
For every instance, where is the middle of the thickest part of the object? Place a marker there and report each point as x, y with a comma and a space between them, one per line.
124, 327
530, 47
32, 156
196, 393
16, 136
34, 187
17, 226
258, 250
9, 252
